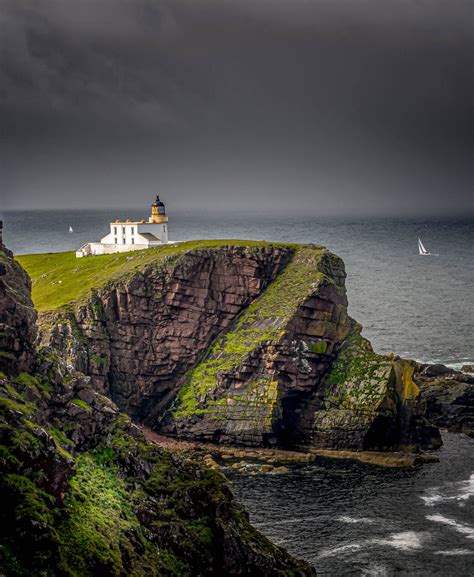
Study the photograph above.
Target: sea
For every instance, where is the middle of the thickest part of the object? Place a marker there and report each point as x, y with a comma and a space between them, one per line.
348, 518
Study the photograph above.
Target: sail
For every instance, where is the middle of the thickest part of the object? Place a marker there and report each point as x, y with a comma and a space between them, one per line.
70, 229
421, 248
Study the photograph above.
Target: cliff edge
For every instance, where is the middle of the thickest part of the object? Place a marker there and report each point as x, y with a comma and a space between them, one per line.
237, 342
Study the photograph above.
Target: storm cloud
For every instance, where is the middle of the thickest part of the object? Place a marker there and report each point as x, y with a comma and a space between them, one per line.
335, 107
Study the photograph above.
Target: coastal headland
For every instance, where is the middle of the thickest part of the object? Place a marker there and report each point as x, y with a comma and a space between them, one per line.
243, 343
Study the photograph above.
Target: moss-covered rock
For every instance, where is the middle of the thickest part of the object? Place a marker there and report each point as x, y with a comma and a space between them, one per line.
370, 401
281, 343
17, 316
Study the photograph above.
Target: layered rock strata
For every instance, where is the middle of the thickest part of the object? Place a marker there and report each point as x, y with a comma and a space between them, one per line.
248, 345
137, 337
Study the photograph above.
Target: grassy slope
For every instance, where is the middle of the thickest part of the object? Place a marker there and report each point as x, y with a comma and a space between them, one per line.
61, 278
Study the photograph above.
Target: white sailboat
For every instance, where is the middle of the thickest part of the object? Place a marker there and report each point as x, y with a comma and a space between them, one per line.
422, 250
70, 229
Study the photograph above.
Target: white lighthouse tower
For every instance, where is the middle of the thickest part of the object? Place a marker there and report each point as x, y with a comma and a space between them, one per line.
127, 235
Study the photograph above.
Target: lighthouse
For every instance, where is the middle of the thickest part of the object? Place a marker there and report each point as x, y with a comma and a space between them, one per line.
127, 235
158, 216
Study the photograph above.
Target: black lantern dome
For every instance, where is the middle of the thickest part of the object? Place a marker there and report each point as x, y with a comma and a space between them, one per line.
158, 208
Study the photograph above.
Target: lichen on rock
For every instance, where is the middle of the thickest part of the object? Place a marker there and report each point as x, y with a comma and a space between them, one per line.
370, 402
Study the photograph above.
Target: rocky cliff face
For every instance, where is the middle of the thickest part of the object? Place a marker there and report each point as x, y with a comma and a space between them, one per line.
257, 383
83, 493
137, 337
371, 402
448, 396
17, 316
246, 345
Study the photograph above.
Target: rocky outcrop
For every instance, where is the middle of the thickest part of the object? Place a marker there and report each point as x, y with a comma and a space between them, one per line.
371, 402
83, 493
256, 384
448, 396
247, 345
17, 316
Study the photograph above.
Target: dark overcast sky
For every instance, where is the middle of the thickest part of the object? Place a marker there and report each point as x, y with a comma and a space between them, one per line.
329, 106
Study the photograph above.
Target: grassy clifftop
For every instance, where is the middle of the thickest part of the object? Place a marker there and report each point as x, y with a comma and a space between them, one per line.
61, 278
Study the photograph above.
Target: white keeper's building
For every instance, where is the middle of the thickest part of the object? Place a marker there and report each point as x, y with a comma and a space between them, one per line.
127, 235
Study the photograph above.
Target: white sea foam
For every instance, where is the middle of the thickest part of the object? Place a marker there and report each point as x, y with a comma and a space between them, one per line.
404, 541
459, 527
455, 552
356, 520
457, 366
289, 521
342, 549
461, 492
433, 498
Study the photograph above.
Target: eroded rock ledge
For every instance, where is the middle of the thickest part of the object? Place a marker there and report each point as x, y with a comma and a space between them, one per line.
248, 345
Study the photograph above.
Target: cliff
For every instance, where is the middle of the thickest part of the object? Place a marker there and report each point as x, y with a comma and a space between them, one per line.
448, 396
84, 494
239, 342
17, 316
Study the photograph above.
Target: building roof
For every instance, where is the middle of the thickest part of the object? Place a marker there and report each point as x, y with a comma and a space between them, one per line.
115, 222
149, 236
158, 202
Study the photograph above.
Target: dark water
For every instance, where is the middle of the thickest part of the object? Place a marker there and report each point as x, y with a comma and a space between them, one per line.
351, 519
354, 519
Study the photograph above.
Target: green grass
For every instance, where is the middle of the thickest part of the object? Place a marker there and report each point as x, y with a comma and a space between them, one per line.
99, 518
82, 405
61, 278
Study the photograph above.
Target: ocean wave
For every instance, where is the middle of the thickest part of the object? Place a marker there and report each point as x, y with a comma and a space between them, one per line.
455, 552
460, 491
403, 541
456, 525
356, 520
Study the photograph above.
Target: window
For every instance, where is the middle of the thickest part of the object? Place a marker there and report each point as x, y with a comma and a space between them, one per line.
115, 230
115, 240
132, 229
123, 240
123, 230
164, 228
133, 241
